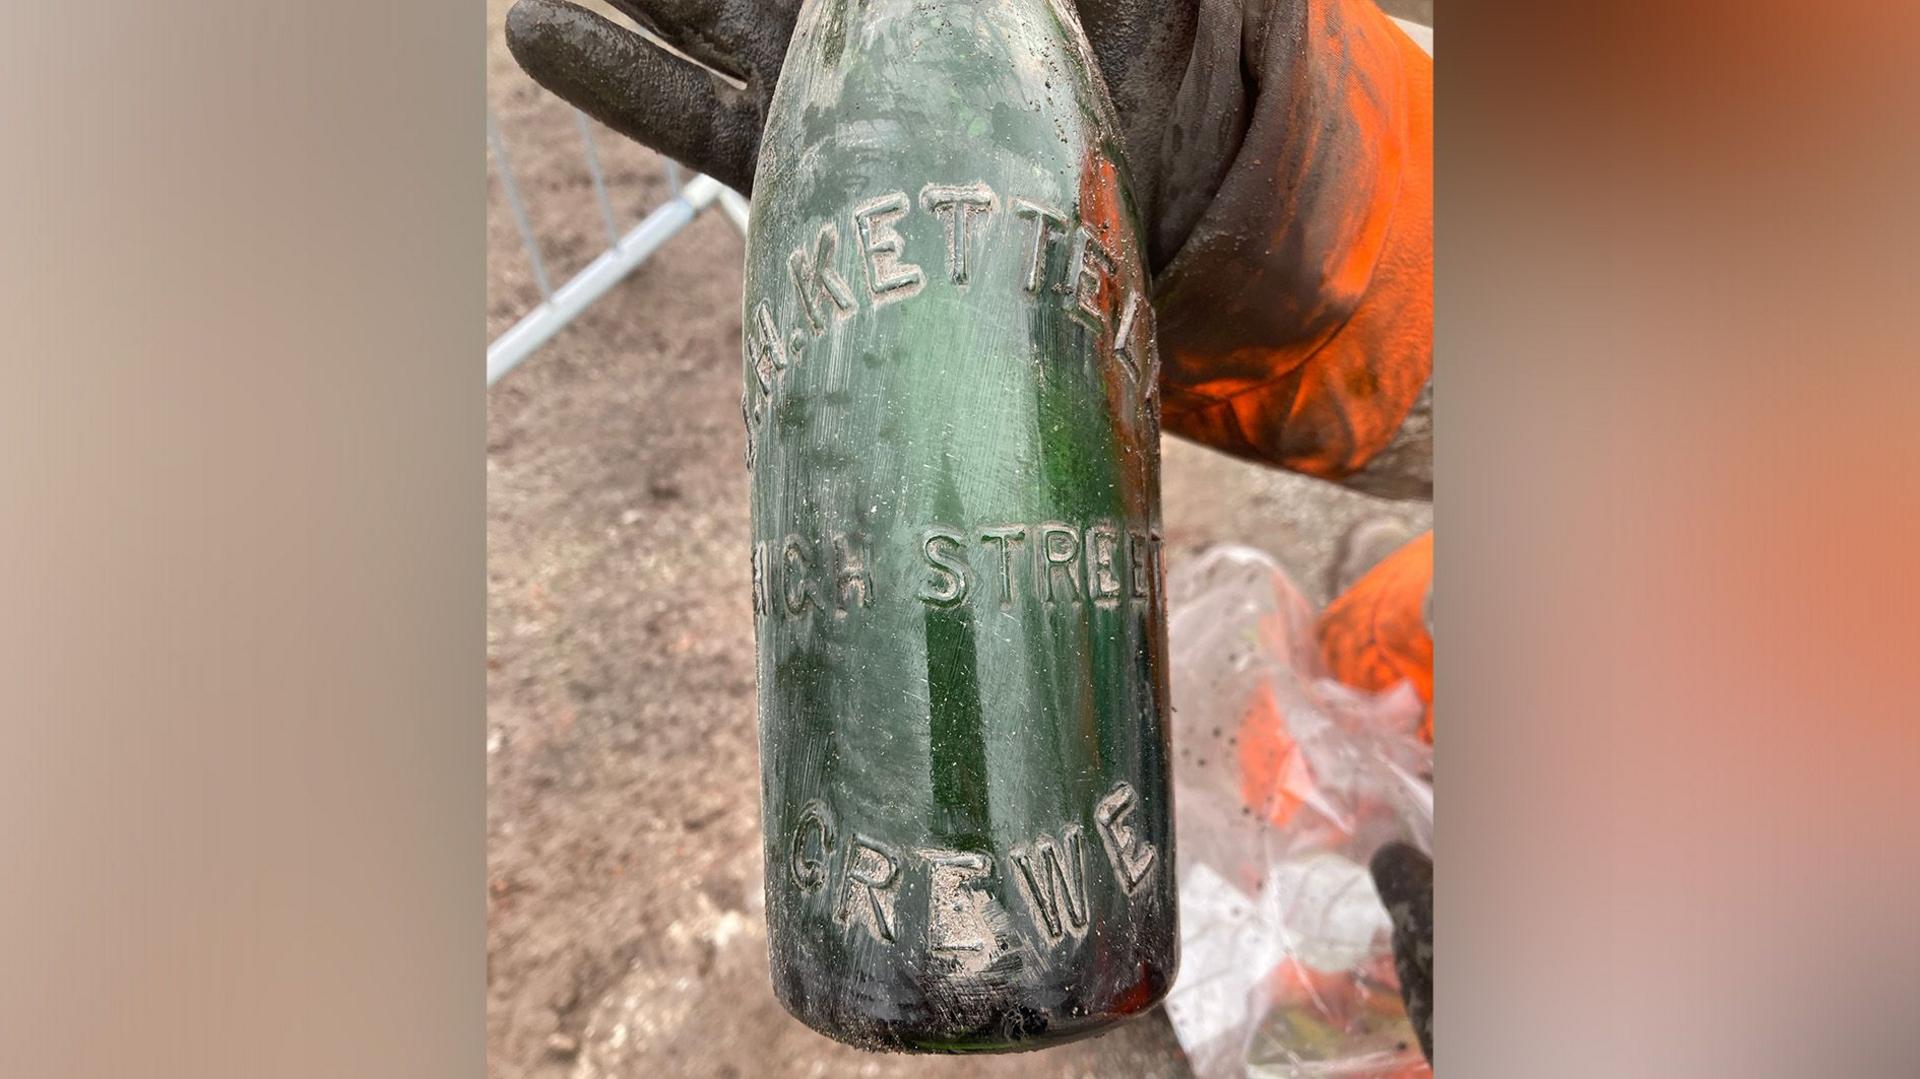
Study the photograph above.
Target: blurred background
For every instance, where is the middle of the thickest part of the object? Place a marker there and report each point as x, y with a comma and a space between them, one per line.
625, 927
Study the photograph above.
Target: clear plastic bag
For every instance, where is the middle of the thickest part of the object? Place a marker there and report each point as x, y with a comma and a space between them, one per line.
1285, 784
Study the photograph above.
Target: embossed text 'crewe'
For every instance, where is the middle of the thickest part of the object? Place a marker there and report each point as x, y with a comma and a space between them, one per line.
860, 878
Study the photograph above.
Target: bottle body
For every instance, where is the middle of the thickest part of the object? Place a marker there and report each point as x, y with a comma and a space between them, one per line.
953, 433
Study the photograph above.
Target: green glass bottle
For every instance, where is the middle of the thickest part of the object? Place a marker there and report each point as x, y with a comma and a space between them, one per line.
953, 432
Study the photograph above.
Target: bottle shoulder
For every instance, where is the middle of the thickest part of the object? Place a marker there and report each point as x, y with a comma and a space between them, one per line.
936, 85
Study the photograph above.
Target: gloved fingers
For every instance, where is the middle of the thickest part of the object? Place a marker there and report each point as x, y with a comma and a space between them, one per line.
1132, 38
1142, 48
1404, 878
743, 39
638, 89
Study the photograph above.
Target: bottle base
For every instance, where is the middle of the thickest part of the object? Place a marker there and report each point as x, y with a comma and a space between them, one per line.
1007, 1028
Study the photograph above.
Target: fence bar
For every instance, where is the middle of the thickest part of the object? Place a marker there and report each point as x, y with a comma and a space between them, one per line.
512, 189
540, 324
1421, 35
735, 208
599, 181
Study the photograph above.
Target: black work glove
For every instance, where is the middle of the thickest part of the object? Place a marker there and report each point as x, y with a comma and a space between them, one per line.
1144, 49
1404, 878
1279, 151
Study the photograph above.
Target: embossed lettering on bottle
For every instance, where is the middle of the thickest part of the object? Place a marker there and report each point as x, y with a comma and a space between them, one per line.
949, 393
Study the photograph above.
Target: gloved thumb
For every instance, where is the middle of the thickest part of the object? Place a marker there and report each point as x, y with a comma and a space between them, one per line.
638, 89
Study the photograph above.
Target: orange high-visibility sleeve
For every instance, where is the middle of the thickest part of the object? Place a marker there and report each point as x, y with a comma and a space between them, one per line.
1300, 332
1375, 635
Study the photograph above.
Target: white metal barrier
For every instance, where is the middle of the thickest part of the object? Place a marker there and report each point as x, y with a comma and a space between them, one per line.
624, 253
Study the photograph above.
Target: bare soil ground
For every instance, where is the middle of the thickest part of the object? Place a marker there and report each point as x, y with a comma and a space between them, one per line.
625, 933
